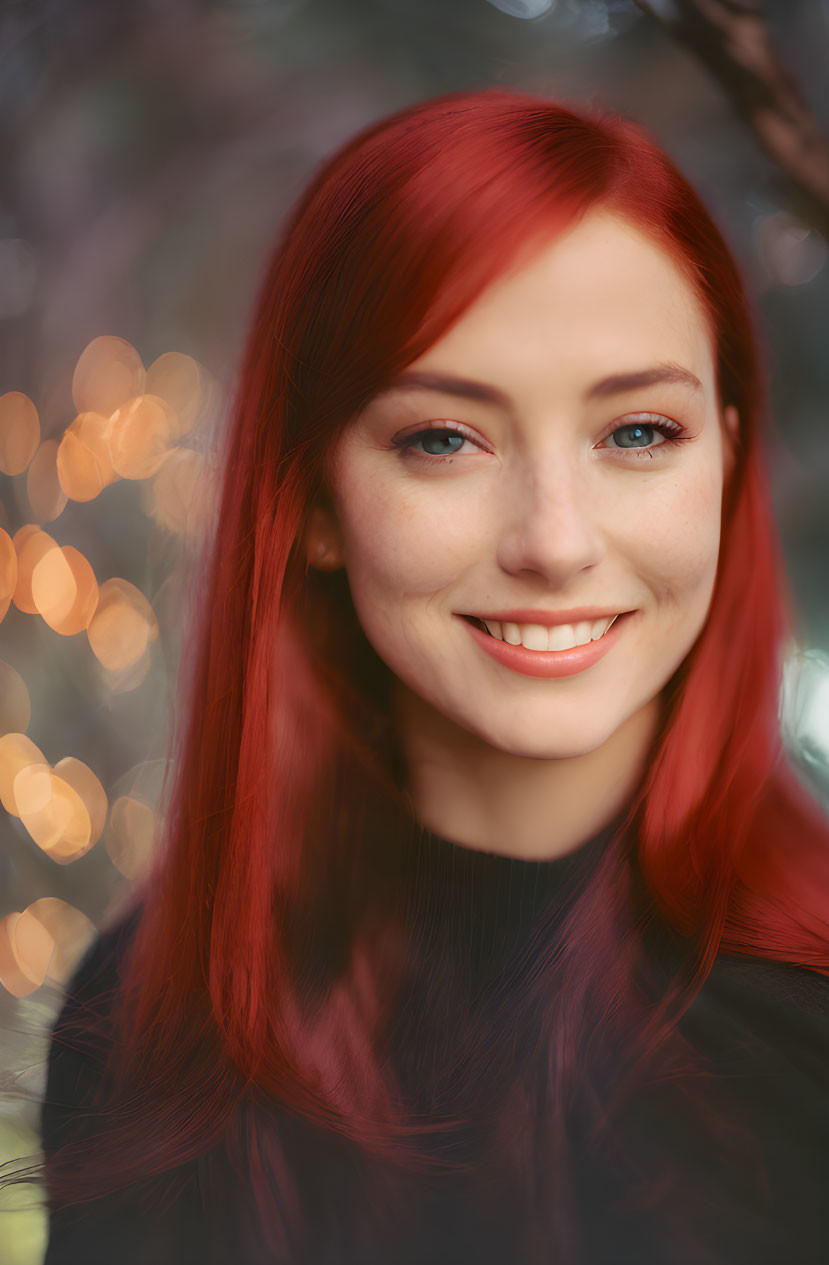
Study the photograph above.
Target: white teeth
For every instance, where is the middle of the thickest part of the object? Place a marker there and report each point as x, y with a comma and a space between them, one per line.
559, 637
563, 637
534, 636
600, 627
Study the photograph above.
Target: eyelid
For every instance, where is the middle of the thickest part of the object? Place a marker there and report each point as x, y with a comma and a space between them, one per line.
441, 423
674, 428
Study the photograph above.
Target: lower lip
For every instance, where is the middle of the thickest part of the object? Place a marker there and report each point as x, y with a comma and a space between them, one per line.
549, 663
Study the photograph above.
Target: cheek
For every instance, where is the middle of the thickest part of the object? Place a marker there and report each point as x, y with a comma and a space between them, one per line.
679, 547
405, 543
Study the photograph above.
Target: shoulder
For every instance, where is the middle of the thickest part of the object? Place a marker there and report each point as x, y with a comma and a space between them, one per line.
99, 965
783, 983
773, 1014
79, 1040
95, 980
780, 989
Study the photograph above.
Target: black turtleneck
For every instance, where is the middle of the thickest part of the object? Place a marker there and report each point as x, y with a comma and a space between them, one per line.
478, 925
492, 898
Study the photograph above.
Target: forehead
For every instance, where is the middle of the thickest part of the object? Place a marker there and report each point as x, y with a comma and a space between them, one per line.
600, 296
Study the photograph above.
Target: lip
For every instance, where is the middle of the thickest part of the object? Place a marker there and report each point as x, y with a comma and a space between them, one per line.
549, 663
550, 619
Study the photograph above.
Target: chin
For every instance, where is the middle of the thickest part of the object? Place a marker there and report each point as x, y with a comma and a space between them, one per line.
556, 742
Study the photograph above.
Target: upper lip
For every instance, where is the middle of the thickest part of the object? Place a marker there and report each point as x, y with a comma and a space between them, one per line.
549, 618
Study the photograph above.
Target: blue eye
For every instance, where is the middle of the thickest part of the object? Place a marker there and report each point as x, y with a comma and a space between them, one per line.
441, 443
641, 435
437, 443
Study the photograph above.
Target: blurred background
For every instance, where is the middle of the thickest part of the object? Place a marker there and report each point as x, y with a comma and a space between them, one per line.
150, 152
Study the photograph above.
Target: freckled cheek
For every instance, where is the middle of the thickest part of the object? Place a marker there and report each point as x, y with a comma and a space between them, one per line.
677, 546
400, 558
405, 547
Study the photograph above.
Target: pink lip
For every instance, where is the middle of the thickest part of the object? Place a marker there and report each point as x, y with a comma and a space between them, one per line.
549, 663
549, 618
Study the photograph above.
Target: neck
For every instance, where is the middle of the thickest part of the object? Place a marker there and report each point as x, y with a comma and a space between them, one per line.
476, 795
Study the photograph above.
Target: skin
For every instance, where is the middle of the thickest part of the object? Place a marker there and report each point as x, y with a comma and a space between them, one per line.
538, 506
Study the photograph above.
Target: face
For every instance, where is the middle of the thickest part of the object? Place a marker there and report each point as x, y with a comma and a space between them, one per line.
558, 457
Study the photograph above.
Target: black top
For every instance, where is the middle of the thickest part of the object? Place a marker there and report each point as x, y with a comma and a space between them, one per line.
763, 1026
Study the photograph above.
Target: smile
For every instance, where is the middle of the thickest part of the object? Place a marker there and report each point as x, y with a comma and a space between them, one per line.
538, 650
539, 637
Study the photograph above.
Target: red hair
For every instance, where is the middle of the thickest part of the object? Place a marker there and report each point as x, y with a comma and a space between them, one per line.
286, 763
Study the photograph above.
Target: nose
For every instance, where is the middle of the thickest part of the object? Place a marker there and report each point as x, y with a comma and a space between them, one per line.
550, 522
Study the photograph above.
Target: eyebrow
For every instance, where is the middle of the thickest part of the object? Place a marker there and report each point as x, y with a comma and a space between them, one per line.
615, 384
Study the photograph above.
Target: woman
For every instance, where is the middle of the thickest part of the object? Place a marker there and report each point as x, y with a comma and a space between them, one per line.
490, 923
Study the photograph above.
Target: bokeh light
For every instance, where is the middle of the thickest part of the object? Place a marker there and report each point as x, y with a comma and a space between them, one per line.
71, 931
179, 380
64, 590
32, 546
82, 779
131, 835
804, 708
49, 937
793, 253
26, 948
84, 463
141, 437
17, 752
181, 493
123, 625
8, 571
63, 809
15, 701
46, 496
108, 372
53, 812
19, 432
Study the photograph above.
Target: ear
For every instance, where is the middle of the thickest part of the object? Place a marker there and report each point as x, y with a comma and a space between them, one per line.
323, 540
731, 438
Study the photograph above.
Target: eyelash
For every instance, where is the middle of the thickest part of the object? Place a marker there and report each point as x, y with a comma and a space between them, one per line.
671, 431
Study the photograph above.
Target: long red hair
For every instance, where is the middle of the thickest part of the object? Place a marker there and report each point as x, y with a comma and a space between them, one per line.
286, 761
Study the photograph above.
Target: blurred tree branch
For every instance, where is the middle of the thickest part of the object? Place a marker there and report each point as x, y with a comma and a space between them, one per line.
732, 39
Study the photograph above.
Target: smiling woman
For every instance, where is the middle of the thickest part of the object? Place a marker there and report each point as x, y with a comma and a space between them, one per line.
491, 924
580, 494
